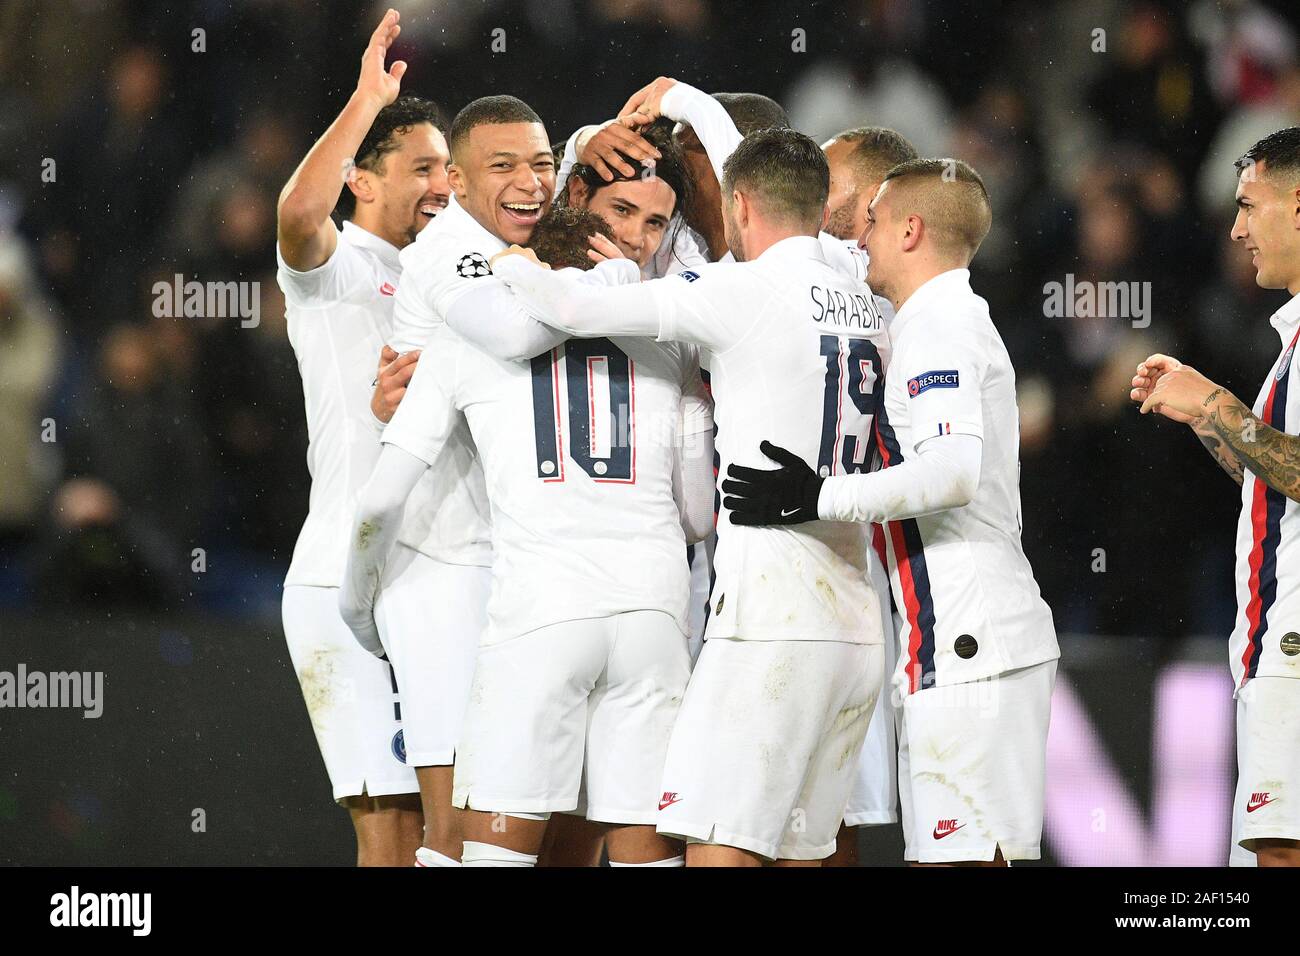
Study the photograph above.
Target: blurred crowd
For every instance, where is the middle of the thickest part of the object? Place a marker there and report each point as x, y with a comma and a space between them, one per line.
159, 461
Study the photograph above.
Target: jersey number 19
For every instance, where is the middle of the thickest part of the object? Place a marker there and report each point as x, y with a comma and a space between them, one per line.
852, 369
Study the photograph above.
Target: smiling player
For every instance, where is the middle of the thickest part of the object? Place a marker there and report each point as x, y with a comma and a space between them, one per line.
1258, 447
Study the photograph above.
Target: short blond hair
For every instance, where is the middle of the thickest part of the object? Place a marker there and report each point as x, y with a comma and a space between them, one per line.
950, 198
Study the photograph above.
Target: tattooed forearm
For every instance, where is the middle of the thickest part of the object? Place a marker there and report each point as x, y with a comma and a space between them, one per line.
1218, 449
1272, 455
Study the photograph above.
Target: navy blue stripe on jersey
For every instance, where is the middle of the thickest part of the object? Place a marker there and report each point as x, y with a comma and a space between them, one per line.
1275, 507
717, 496
913, 573
550, 463
397, 704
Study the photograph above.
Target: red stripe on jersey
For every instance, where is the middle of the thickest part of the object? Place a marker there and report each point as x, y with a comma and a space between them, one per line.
1259, 540
878, 545
911, 604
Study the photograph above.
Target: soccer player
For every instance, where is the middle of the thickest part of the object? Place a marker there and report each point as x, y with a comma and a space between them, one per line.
859, 159
584, 661
980, 650
760, 762
1257, 446
338, 287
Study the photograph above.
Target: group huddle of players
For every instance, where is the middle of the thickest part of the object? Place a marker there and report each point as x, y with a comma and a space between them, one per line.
652, 490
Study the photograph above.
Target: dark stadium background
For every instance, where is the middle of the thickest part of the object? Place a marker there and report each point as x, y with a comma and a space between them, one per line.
171, 435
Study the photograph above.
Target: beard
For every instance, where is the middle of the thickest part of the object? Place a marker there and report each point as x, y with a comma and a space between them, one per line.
731, 233
843, 224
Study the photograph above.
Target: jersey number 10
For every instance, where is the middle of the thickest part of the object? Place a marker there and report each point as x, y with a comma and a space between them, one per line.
852, 366
600, 381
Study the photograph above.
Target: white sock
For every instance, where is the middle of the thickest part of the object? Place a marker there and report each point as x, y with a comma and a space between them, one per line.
485, 854
426, 857
671, 861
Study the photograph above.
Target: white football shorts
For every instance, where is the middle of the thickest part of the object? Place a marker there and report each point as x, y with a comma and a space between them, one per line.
1267, 804
766, 744
972, 764
431, 618
585, 704
350, 697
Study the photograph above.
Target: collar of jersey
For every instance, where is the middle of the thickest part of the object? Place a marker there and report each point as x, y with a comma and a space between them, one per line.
368, 240
945, 283
798, 247
1286, 319
456, 218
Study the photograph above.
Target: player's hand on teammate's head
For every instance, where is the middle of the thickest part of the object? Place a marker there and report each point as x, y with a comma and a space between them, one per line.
786, 495
602, 248
394, 376
610, 147
375, 81
646, 104
517, 250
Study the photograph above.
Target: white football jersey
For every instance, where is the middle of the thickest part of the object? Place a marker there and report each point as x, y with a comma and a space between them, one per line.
339, 316
794, 349
447, 515
578, 448
969, 604
1265, 641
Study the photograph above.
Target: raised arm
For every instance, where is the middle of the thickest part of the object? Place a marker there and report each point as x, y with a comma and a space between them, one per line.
374, 532
306, 235
695, 108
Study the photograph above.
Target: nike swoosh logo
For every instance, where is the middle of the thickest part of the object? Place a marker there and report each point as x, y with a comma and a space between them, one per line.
940, 836
665, 804
1251, 808
786, 514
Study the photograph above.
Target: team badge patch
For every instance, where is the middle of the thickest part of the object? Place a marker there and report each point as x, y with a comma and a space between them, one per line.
965, 647
1290, 644
473, 266
399, 745
945, 378
688, 275
1286, 363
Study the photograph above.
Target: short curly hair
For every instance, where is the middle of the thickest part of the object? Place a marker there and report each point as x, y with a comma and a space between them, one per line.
560, 237
394, 120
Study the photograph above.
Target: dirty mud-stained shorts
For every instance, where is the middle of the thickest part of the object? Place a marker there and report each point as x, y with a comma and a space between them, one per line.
431, 617
972, 763
764, 750
350, 697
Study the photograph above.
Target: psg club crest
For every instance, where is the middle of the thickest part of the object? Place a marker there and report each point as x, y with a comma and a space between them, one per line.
1286, 363
473, 266
399, 745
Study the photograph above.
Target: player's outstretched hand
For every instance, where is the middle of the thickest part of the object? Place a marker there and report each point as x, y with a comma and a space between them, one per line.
376, 82
646, 104
609, 148
394, 376
786, 495
1149, 373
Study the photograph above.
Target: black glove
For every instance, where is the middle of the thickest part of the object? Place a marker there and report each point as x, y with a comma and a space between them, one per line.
787, 495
